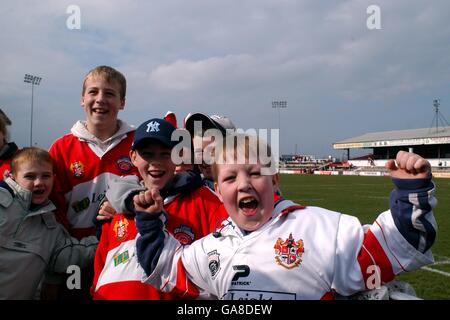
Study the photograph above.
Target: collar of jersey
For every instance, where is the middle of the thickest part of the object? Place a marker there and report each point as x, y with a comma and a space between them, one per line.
230, 228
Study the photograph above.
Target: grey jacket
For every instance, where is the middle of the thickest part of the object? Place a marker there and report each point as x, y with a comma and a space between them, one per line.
33, 244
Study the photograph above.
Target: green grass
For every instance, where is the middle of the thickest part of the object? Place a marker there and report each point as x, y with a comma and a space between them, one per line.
366, 197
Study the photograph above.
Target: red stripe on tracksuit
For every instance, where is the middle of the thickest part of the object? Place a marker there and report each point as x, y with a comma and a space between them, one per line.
372, 254
184, 288
328, 296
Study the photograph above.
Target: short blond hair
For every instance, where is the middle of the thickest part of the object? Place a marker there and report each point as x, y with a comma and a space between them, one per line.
109, 74
30, 154
241, 148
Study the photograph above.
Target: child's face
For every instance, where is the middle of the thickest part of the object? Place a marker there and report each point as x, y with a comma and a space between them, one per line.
101, 101
37, 178
246, 194
200, 144
154, 164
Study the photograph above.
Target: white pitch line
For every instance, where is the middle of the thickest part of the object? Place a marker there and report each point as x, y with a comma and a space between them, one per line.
436, 271
441, 262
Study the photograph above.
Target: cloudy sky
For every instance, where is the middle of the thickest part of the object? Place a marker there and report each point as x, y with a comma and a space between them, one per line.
339, 77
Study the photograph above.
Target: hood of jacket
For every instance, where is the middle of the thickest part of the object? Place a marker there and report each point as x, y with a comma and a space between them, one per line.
80, 130
182, 182
24, 196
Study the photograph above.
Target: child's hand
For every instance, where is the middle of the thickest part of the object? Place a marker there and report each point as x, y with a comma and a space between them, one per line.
106, 212
409, 166
149, 201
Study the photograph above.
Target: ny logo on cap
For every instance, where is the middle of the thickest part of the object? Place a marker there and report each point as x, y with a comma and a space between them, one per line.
153, 126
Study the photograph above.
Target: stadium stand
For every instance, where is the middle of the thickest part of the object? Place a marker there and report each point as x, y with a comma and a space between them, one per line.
431, 143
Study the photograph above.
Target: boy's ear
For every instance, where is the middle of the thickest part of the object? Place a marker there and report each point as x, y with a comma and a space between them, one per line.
275, 181
133, 157
122, 104
217, 189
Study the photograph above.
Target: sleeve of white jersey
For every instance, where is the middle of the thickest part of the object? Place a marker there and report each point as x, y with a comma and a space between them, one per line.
369, 256
181, 270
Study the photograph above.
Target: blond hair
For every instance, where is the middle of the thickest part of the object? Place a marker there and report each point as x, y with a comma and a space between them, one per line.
241, 148
109, 74
29, 154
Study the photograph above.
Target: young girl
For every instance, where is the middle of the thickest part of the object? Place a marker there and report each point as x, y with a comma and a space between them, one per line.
32, 243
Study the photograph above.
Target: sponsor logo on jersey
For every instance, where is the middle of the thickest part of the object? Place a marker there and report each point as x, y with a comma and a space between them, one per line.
239, 294
288, 253
81, 205
84, 203
184, 234
121, 229
213, 263
122, 257
124, 164
77, 169
242, 271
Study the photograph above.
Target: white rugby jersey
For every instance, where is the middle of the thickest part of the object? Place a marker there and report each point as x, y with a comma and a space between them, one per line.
301, 253
84, 172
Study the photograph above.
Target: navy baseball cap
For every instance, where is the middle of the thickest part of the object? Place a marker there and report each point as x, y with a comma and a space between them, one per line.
156, 129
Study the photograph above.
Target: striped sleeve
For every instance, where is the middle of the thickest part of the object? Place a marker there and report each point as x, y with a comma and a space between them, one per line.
167, 270
411, 205
398, 241
172, 275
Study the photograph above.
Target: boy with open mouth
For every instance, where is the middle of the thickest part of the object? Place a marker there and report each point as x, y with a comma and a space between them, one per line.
281, 250
32, 243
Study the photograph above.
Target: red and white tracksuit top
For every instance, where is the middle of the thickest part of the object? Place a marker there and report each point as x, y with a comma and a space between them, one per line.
301, 253
117, 273
83, 173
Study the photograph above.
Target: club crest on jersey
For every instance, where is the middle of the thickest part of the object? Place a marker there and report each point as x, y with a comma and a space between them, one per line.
77, 169
213, 263
121, 229
124, 164
184, 234
288, 252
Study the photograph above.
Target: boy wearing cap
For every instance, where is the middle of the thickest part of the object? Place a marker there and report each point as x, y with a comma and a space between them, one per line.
193, 211
196, 124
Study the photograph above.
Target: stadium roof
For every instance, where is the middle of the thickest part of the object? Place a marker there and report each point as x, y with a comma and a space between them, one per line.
396, 138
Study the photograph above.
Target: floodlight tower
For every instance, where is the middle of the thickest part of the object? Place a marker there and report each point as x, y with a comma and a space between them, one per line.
35, 81
438, 116
279, 104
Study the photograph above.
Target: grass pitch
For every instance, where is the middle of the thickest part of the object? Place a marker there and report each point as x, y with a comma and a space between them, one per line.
365, 198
